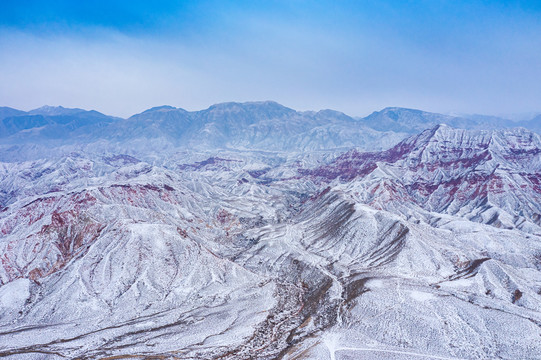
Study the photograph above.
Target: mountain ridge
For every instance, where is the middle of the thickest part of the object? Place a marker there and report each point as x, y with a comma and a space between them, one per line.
225, 254
260, 125
490, 176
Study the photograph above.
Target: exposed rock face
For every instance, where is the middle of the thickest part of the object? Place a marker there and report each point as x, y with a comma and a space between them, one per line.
431, 248
485, 176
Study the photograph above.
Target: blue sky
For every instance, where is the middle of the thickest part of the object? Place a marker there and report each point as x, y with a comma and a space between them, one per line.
121, 57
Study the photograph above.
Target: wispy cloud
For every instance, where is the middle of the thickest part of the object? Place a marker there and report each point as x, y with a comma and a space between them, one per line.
352, 56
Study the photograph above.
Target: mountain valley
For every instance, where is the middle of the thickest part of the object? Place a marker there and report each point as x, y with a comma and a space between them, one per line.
254, 231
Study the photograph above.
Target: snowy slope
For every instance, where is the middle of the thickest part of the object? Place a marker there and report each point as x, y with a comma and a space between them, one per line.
485, 176
430, 249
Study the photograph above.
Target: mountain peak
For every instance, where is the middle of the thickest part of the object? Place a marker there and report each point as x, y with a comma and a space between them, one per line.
249, 105
442, 135
248, 110
162, 108
405, 120
55, 110
6, 112
399, 109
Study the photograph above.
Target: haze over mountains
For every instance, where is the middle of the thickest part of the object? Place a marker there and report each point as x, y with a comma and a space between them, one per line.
251, 126
251, 230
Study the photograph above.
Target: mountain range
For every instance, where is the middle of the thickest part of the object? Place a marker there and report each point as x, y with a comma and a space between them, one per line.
266, 126
254, 231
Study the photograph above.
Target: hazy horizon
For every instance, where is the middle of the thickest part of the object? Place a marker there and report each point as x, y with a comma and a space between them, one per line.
122, 57
513, 117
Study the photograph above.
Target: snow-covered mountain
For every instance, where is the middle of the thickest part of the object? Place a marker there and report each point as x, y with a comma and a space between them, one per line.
492, 176
534, 124
50, 123
264, 126
8, 112
412, 121
430, 248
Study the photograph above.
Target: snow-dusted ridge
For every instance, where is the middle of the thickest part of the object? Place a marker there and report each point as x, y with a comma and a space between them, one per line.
137, 247
486, 176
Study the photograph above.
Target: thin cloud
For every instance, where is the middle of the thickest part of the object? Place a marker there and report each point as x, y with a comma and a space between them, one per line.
355, 58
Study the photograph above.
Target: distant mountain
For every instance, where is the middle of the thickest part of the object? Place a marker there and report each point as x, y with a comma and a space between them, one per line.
8, 112
55, 111
413, 121
534, 124
257, 125
51, 123
265, 126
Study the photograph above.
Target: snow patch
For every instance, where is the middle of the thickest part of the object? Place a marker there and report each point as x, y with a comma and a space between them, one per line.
421, 295
14, 294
